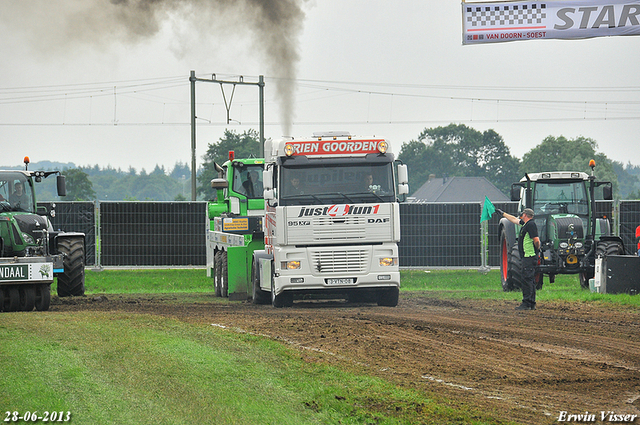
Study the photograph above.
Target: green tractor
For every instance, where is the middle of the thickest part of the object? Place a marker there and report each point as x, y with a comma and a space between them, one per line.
31, 252
571, 233
235, 226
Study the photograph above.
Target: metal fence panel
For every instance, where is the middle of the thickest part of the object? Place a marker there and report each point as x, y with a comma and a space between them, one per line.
440, 235
153, 233
629, 220
174, 233
76, 217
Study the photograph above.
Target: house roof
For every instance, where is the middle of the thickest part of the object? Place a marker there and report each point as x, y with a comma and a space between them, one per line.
458, 189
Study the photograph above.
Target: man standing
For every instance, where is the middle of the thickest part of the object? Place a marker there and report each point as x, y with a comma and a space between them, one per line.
528, 246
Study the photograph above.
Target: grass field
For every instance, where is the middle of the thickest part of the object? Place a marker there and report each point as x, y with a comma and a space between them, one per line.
119, 368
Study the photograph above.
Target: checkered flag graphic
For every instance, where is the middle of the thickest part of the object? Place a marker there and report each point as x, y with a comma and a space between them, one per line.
501, 16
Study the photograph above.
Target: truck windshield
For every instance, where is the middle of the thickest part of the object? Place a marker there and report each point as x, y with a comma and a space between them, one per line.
553, 198
337, 184
247, 180
16, 194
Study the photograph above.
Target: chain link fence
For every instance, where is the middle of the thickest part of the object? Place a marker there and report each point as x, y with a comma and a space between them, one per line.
166, 234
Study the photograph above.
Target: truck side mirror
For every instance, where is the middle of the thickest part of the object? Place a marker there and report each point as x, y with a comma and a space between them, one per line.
267, 181
403, 175
269, 194
62, 186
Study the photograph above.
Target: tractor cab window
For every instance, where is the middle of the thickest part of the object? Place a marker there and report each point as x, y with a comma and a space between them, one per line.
247, 180
563, 198
16, 193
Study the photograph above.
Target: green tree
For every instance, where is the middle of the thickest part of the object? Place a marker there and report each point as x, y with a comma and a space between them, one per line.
244, 145
562, 154
79, 187
458, 150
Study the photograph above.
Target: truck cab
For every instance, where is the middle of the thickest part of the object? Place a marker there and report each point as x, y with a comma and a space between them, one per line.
332, 220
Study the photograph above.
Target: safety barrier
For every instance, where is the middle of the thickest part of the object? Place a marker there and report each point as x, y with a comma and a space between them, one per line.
166, 234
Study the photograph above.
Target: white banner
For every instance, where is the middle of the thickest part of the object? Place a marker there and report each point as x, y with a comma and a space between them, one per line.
565, 19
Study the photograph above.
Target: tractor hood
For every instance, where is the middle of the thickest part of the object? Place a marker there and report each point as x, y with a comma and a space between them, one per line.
565, 227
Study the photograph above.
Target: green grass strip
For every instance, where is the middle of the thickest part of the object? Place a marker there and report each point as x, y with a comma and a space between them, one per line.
118, 368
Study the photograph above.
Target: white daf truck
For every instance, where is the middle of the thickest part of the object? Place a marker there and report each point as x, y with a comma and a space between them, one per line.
332, 222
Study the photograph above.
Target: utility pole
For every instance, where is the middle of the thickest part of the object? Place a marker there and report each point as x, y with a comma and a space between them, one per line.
193, 79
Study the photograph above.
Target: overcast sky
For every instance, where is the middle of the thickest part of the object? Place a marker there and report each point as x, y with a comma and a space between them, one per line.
86, 84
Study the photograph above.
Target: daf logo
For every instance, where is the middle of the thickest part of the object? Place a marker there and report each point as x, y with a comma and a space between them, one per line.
377, 220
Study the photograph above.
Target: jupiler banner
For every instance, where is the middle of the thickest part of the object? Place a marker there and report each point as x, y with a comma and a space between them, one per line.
529, 20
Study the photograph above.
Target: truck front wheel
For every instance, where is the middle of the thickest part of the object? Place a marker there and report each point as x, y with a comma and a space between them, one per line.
71, 281
258, 295
284, 299
389, 297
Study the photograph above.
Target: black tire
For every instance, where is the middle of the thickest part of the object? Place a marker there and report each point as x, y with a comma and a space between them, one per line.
505, 253
1, 299
258, 295
71, 281
514, 270
27, 297
584, 278
43, 297
217, 270
284, 299
224, 276
389, 297
12, 299
603, 248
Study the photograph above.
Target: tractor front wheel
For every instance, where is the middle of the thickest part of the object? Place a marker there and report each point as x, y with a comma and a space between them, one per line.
71, 281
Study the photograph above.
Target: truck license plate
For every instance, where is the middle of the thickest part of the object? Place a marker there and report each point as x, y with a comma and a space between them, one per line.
349, 281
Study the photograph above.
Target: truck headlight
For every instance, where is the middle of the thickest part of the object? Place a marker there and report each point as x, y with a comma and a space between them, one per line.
388, 261
291, 265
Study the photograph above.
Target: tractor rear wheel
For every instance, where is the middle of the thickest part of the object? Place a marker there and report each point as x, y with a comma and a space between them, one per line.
71, 281
508, 264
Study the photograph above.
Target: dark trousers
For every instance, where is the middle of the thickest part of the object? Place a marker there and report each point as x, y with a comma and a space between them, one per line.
529, 285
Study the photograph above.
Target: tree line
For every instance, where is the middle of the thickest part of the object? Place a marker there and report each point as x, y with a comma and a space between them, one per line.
460, 151
455, 150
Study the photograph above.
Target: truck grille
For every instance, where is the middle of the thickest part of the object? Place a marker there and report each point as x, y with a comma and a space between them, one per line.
339, 228
340, 261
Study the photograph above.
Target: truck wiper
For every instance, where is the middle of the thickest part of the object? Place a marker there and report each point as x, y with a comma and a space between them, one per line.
371, 193
302, 196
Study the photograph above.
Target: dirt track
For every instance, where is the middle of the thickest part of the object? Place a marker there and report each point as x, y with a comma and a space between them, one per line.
526, 367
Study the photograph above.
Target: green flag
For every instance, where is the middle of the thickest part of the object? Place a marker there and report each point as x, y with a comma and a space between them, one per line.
487, 210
